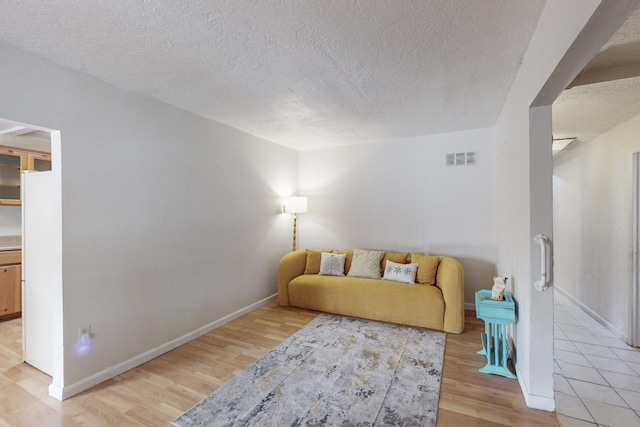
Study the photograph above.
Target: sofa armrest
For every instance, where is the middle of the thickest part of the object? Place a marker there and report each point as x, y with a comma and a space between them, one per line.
291, 266
450, 280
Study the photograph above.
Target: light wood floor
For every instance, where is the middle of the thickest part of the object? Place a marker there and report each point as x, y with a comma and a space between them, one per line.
160, 390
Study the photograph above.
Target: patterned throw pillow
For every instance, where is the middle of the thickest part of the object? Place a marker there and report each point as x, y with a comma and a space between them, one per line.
347, 261
366, 264
405, 273
332, 264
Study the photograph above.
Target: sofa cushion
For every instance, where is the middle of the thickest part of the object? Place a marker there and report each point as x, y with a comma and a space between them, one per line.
405, 273
347, 261
332, 264
313, 261
427, 268
366, 264
397, 257
370, 299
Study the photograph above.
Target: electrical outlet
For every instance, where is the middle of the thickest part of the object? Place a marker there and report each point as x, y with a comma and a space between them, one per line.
85, 331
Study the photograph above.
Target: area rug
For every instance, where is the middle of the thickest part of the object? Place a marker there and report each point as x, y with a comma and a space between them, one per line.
336, 371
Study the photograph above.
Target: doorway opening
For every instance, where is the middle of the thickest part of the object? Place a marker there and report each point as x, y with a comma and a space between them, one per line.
30, 231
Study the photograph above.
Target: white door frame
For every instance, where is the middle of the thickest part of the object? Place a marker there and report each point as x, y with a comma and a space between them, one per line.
634, 336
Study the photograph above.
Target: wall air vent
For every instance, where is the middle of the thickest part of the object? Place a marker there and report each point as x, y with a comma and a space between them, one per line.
451, 159
471, 157
460, 159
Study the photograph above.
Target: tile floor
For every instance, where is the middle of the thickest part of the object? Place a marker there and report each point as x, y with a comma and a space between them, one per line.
597, 376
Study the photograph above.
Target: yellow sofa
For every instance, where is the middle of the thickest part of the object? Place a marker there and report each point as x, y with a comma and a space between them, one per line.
439, 306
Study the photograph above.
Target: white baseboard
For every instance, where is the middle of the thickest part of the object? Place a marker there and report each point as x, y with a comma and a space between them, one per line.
55, 392
595, 316
67, 391
533, 401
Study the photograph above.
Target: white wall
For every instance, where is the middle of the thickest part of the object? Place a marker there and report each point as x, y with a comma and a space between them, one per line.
170, 222
399, 195
592, 186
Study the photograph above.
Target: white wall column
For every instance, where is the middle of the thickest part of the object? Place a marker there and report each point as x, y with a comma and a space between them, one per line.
537, 320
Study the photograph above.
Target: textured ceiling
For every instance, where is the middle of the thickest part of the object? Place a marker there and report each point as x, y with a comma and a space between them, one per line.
305, 74
586, 111
607, 92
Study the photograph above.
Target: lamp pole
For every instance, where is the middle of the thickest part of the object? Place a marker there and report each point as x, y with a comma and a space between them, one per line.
295, 219
294, 205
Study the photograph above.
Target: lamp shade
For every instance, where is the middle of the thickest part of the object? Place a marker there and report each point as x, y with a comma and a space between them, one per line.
294, 205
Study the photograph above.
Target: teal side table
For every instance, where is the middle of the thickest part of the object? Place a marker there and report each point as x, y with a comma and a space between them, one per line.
496, 315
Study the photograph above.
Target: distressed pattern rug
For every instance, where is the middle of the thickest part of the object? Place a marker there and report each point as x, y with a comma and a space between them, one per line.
336, 371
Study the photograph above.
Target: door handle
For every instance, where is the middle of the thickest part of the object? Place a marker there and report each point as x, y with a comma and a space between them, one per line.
543, 283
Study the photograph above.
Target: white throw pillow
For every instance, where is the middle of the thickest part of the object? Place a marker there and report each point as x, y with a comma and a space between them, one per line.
366, 264
405, 273
332, 264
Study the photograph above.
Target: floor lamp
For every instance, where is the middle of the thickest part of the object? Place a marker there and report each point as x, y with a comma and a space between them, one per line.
294, 205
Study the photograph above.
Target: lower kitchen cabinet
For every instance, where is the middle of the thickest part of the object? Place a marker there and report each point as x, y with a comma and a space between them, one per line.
10, 285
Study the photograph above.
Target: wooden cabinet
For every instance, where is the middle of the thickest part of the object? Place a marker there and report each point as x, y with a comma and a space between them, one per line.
12, 162
10, 168
10, 285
